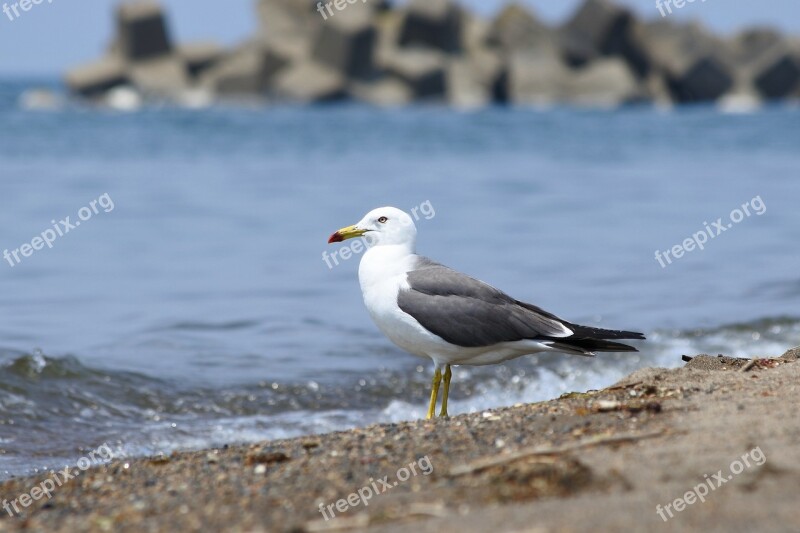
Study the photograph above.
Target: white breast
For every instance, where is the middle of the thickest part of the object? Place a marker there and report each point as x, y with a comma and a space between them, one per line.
382, 273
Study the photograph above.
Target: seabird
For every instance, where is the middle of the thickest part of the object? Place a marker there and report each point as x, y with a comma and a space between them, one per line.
433, 311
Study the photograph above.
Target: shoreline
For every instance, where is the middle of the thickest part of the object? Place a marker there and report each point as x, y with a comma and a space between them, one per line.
636, 453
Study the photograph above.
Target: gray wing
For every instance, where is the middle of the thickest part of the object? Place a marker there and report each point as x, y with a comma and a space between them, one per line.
467, 312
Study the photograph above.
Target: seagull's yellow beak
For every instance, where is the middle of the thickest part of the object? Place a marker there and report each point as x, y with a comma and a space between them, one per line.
346, 233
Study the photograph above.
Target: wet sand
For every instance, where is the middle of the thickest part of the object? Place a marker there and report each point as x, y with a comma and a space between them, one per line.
601, 460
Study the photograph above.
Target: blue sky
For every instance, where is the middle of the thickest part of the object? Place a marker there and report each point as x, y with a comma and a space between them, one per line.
59, 33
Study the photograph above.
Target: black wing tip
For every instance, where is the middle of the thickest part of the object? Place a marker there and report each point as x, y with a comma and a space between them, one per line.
589, 347
614, 334
627, 348
607, 346
592, 345
588, 332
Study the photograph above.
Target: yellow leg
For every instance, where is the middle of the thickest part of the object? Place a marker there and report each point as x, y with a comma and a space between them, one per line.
446, 393
437, 378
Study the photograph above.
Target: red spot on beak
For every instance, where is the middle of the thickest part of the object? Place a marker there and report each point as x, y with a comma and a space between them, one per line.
336, 237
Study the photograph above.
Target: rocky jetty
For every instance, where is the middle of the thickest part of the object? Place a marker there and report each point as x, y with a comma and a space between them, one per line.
437, 51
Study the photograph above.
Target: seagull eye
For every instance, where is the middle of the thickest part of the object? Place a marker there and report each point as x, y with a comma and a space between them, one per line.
383, 220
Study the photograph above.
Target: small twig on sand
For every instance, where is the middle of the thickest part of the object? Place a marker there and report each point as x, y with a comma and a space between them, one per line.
358, 521
362, 520
488, 462
622, 387
426, 509
748, 365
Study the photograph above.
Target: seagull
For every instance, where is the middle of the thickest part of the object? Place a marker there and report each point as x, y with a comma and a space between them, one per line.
433, 311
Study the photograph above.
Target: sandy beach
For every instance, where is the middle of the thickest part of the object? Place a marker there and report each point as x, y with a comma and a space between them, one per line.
712, 445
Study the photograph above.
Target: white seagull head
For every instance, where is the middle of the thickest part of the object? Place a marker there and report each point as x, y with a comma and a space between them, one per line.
381, 227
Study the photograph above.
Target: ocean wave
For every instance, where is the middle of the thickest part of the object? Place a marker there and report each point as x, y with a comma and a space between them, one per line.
54, 406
